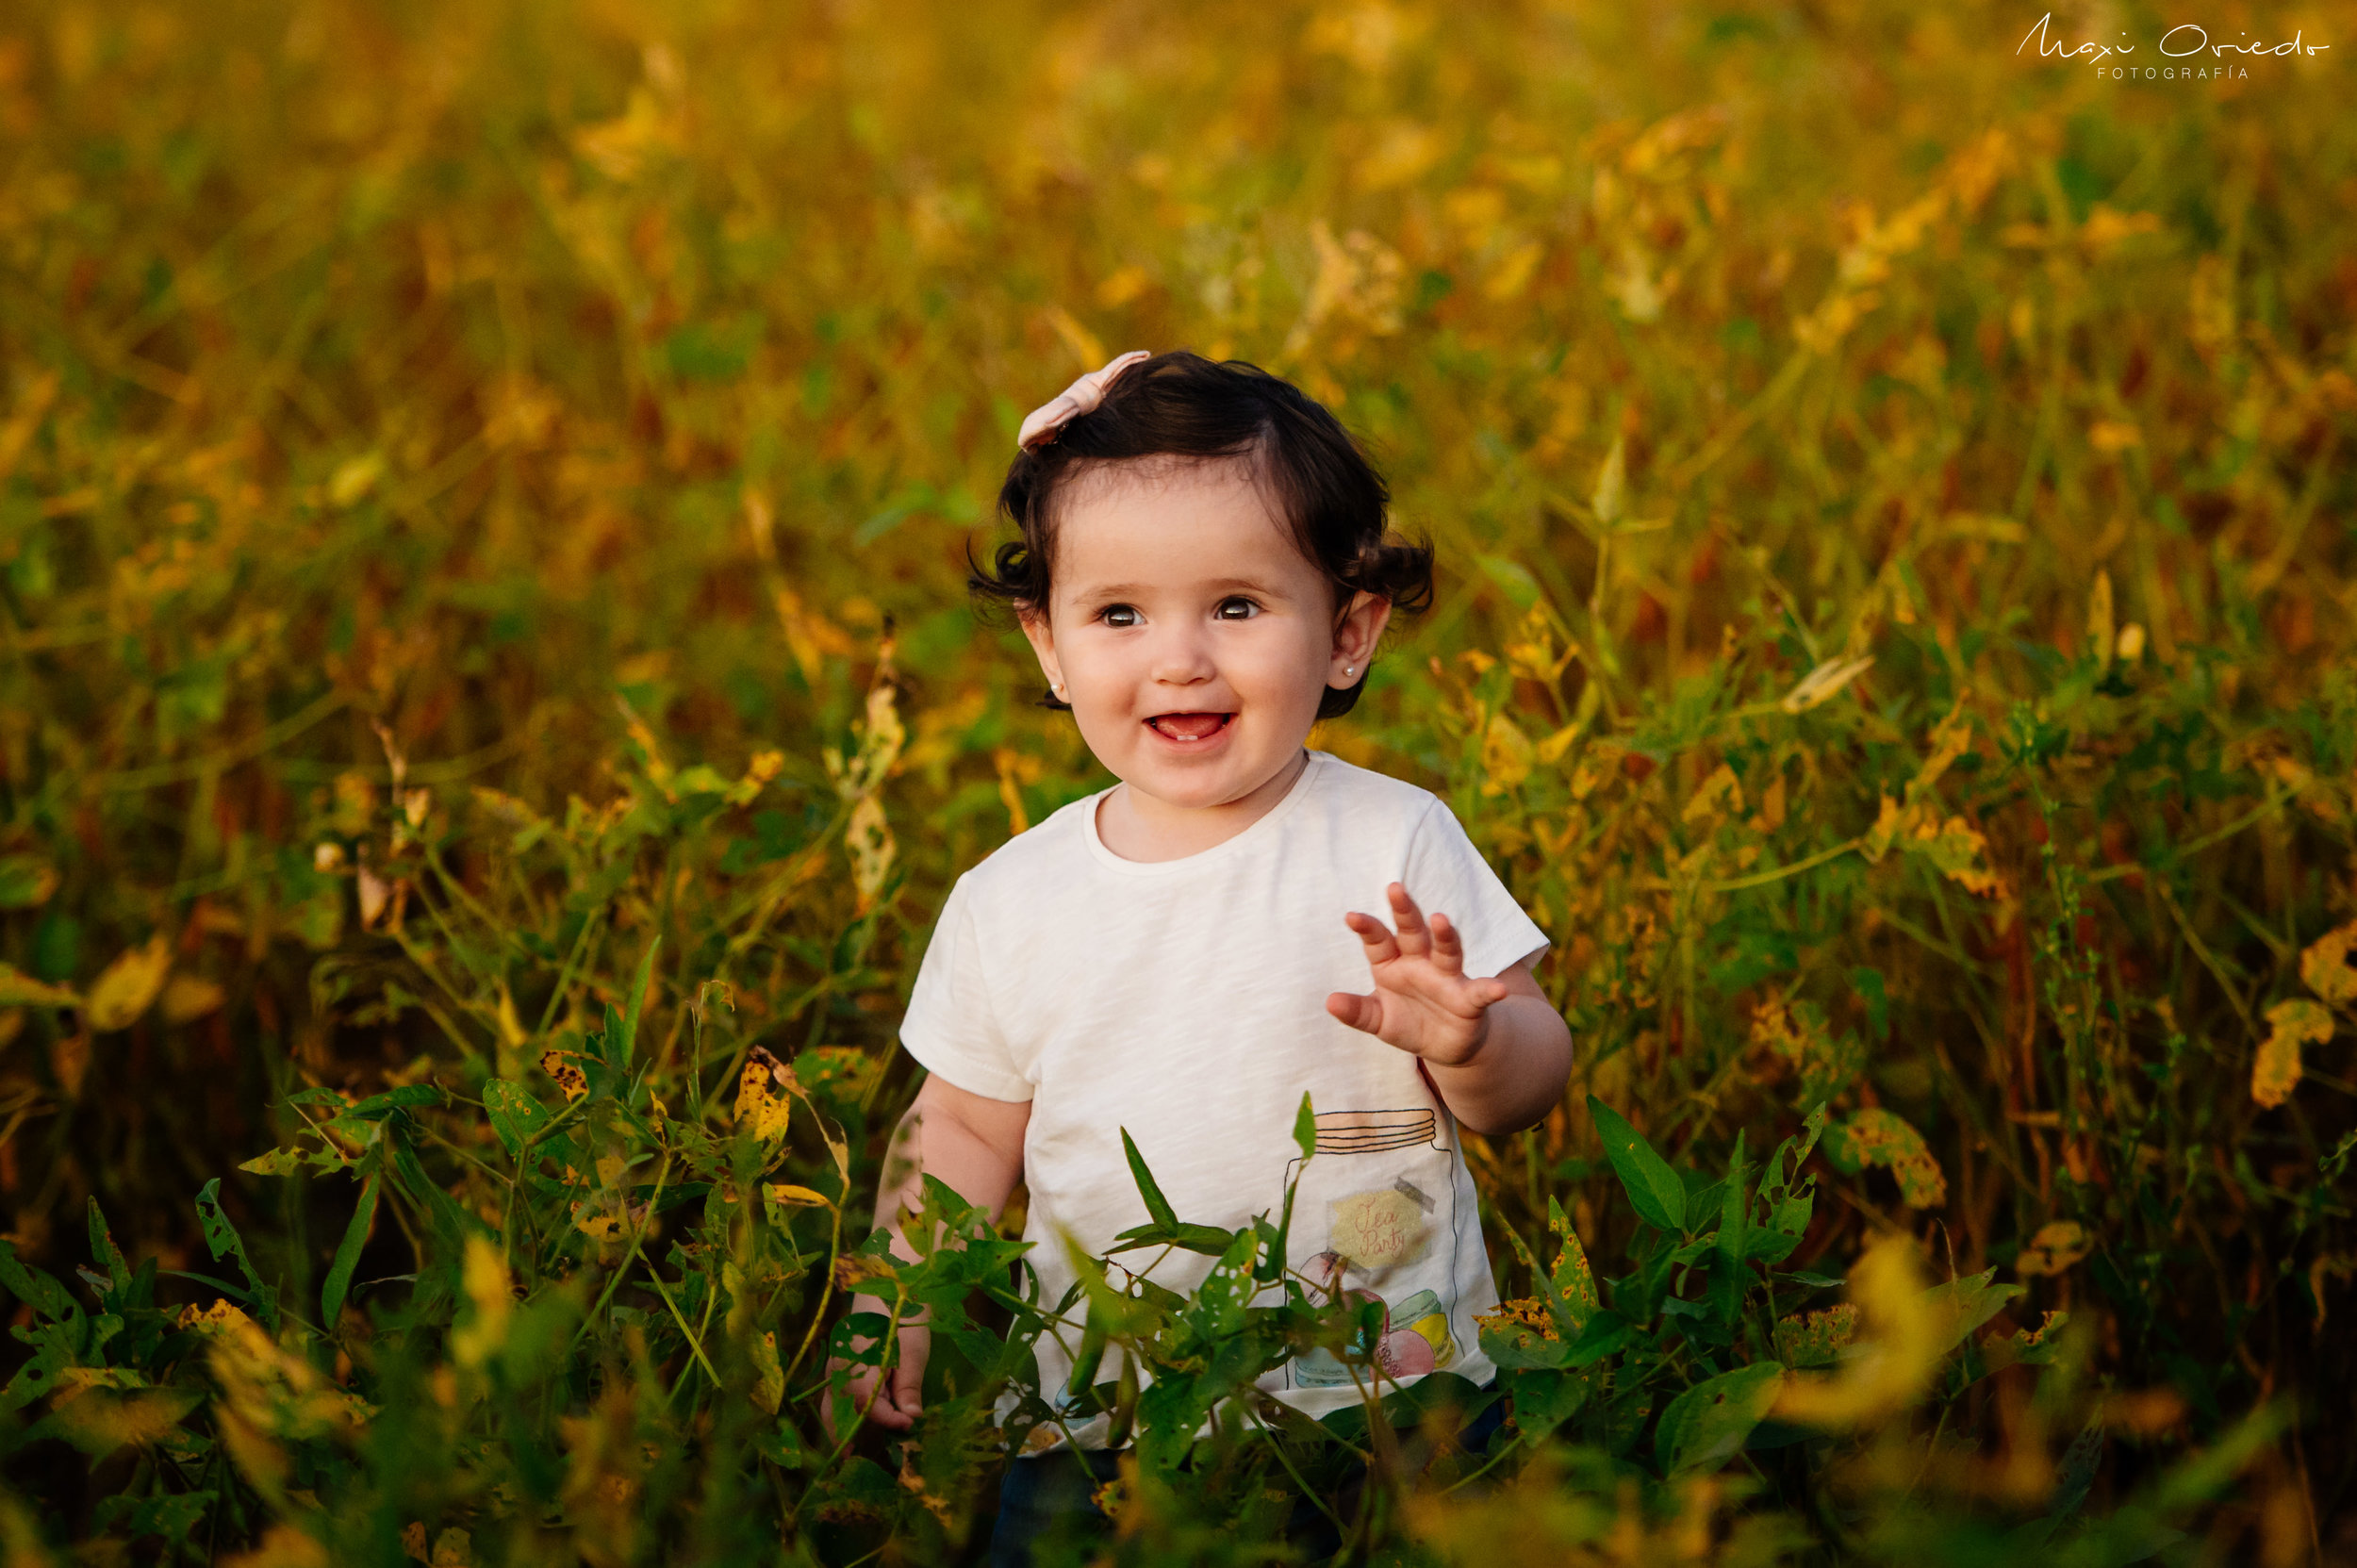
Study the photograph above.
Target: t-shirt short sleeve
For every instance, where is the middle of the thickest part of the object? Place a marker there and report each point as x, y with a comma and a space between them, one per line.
1447, 875
949, 1026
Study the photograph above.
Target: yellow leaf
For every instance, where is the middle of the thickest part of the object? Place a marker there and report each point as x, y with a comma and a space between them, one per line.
1513, 274
1079, 339
187, 997
1122, 285
768, 1390
1821, 684
785, 1194
18, 989
869, 838
600, 1227
2325, 968
1611, 482
129, 985
559, 1066
1505, 756
1720, 795
2294, 1022
484, 1276
2100, 632
761, 1108
354, 477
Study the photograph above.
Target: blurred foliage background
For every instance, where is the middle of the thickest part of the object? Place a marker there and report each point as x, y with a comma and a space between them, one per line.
483, 490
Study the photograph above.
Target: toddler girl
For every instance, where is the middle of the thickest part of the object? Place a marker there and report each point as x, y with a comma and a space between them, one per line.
1204, 572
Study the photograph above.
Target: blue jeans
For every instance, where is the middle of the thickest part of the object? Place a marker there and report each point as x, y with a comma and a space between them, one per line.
1056, 1493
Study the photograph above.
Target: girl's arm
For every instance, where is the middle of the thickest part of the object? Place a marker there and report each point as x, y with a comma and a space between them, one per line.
975, 1145
1516, 1075
1495, 1049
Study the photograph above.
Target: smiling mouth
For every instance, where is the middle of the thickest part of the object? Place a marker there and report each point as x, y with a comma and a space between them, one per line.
1189, 726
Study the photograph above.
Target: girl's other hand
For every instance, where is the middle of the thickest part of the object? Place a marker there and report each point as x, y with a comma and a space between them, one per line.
902, 1384
1423, 1002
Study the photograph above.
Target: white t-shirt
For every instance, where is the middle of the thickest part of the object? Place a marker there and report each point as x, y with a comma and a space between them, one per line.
1185, 1000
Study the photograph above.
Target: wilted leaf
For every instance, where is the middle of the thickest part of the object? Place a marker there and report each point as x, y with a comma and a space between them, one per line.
563, 1067
129, 985
1815, 1339
761, 1108
2054, 1248
1878, 1137
2292, 1023
2325, 968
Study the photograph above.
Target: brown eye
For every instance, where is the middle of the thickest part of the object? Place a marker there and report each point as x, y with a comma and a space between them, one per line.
1236, 608
1118, 615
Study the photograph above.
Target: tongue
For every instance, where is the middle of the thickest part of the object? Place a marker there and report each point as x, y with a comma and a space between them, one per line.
1190, 726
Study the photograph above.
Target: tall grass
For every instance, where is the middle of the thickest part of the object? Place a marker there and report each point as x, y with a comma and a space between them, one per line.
483, 647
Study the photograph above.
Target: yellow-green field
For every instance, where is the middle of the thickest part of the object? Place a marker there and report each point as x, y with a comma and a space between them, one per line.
484, 669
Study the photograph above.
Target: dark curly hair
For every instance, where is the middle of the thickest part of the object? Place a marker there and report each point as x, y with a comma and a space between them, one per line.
1183, 406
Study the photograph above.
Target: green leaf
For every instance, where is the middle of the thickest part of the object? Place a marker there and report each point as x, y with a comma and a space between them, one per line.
638, 999
377, 1107
1963, 1305
1652, 1187
1512, 578
1728, 1274
1706, 1426
103, 1250
1306, 1128
278, 1161
223, 1239
35, 1289
347, 1257
1606, 1334
1155, 1204
516, 1116
1574, 1281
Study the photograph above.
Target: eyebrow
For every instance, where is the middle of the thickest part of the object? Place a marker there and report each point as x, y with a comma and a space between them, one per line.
1116, 591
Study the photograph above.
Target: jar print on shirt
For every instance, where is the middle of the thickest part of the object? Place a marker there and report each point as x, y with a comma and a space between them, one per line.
1375, 1218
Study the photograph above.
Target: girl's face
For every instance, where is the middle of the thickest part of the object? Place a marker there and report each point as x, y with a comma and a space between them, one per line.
1189, 632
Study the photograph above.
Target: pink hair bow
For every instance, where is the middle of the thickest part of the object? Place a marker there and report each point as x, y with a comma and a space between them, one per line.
1041, 425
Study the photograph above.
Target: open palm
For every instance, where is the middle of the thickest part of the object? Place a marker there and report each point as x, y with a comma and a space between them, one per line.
1423, 1002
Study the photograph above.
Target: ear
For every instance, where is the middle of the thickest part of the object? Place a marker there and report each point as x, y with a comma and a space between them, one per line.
1356, 630
1042, 638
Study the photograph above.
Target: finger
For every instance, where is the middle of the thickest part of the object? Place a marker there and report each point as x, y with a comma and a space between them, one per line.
907, 1391
1365, 1014
1448, 945
1381, 948
1413, 937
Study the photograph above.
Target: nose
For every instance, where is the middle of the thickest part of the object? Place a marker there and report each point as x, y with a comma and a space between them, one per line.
1183, 657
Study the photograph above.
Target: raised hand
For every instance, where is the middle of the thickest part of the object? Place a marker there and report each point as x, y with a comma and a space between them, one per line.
1423, 1002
